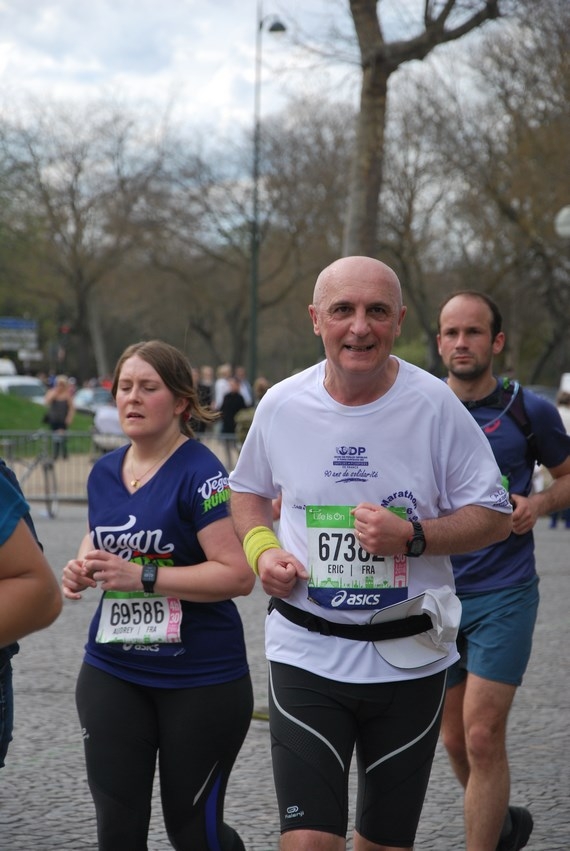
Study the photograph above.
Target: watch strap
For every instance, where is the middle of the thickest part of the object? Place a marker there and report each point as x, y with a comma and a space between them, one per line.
416, 545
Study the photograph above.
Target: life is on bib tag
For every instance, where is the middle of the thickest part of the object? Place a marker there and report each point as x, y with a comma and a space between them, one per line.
343, 575
136, 617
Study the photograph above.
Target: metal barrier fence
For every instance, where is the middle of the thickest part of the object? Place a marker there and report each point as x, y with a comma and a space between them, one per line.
53, 467
50, 467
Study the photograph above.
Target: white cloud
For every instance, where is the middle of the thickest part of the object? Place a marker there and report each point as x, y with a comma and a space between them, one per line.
198, 53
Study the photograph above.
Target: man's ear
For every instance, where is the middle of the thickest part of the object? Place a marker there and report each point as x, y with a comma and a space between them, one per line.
403, 312
499, 343
315, 319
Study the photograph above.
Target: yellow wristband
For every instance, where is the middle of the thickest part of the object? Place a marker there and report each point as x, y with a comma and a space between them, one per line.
257, 540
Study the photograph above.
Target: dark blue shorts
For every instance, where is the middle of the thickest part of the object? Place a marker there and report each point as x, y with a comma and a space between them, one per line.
495, 635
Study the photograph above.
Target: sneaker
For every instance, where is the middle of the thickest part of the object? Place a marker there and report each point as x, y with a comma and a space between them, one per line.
520, 832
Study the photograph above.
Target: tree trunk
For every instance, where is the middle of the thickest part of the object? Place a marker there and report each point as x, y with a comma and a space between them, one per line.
96, 333
360, 236
379, 59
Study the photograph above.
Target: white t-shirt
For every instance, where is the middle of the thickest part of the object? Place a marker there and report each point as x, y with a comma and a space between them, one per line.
221, 387
106, 420
416, 450
564, 412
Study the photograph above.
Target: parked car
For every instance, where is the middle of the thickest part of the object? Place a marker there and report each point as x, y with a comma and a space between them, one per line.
24, 386
87, 399
7, 367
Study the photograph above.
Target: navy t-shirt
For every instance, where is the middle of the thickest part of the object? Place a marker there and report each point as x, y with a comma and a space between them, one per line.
159, 522
512, 562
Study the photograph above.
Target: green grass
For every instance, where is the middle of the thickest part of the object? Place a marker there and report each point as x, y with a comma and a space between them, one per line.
21, 415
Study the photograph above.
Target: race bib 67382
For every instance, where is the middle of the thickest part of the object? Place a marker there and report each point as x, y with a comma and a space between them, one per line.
343, 575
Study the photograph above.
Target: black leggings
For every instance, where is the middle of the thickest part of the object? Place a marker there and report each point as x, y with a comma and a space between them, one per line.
197, 734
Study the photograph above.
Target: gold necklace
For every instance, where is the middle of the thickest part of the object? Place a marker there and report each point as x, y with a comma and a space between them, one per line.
136, 480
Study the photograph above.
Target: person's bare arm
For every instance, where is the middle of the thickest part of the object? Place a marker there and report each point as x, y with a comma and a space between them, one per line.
278, 569
223, 575
556, 497
74, 579
472, 527
30, 598
250, 510
70, 413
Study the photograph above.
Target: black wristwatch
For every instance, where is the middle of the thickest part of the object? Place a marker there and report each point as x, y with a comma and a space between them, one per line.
148, 577
417, 543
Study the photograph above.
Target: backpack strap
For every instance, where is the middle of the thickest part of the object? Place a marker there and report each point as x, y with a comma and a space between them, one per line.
517, 411
508, 399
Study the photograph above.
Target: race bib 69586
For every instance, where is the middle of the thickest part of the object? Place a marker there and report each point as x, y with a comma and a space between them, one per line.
138, 618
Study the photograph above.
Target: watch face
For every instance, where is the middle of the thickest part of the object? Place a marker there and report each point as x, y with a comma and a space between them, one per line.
417, 543
148, 576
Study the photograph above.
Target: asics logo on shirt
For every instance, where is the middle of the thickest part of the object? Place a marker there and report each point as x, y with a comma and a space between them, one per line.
357, 600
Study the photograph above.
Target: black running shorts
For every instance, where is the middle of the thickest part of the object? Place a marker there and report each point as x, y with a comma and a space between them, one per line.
315, 725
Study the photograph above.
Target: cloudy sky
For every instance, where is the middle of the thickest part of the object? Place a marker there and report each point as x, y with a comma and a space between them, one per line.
197, 54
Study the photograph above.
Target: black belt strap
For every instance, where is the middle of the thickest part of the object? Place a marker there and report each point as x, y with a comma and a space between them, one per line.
412, 625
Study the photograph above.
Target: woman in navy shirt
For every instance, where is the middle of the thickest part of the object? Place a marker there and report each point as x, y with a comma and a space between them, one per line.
165, 671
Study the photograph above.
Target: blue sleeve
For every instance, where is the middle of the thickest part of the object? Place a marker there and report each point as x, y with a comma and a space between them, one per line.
13, 507
9, 474
210, 493
552, 440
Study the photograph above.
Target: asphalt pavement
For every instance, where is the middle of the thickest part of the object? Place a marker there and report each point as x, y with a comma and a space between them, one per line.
45, 803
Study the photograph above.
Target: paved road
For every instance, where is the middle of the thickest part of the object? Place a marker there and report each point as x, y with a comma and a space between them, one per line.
44, 799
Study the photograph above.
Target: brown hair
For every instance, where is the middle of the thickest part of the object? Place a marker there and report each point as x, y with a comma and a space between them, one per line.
175, 370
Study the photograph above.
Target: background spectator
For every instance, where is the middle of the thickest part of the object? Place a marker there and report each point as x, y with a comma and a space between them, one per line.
60, 413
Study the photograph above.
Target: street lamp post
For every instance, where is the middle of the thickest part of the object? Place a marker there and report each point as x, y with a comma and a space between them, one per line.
274, 27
